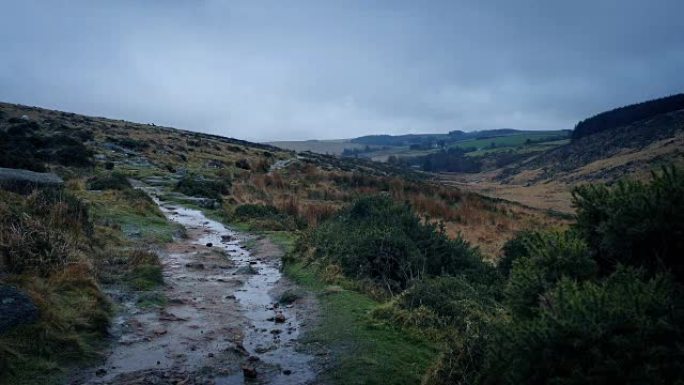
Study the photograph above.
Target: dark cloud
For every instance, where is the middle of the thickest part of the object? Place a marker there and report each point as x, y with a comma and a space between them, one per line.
304, 69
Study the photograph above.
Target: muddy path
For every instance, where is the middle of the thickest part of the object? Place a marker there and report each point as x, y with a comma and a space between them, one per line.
221, 323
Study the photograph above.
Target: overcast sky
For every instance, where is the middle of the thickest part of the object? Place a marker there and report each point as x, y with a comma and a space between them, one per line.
265, 70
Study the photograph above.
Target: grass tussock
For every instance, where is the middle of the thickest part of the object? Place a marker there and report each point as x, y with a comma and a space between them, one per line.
45, 248
58, 246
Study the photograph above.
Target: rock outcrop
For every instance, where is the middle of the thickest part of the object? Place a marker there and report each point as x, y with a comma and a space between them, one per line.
16, 308
24, 180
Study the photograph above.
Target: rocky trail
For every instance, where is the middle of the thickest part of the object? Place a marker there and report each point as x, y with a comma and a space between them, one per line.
221, 323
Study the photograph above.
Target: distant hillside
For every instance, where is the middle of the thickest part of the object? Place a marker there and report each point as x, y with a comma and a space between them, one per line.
382, 147
428, 139
604, 151
623, 149
626, 115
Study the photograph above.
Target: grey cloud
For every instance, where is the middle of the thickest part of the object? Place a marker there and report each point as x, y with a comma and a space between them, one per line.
311, 69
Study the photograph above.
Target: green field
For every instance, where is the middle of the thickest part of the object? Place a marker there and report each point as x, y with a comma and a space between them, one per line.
510, 140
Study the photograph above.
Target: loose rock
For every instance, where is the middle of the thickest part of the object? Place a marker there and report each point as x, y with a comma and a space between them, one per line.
249, 371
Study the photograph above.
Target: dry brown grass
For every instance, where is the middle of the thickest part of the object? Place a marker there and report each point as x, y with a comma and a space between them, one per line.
315, 212
313, 194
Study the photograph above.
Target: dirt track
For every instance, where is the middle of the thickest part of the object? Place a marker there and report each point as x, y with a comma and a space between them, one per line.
220, 321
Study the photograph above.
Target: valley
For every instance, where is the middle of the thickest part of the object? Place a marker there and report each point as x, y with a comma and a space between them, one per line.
342, 192
154, 255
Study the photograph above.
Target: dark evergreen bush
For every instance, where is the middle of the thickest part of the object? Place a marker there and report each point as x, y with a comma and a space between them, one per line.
24, 145
561, 322
379, 240
635, 223
457, 301
514, 249
624, 330
550, 257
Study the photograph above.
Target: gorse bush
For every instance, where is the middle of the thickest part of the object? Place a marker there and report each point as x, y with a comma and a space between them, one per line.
387, 243
513, 249
549, 257
621, 330
571, 311
456, 301
635, 223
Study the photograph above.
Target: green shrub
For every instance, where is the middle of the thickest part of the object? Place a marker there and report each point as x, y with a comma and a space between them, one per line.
146, 277
624, 330
564, 323
457, 301
109, 181
200, 187
376, 239
513, 249
249, 211
267, 217
635, 223
550, 257
27, 145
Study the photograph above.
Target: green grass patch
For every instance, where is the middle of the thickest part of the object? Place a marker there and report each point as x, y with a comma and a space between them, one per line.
364, 351
134, 213
152, 299
74, 316
146, 277
285, 239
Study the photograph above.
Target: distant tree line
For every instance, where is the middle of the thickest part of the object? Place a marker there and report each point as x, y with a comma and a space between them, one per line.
628, 114
450, 160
